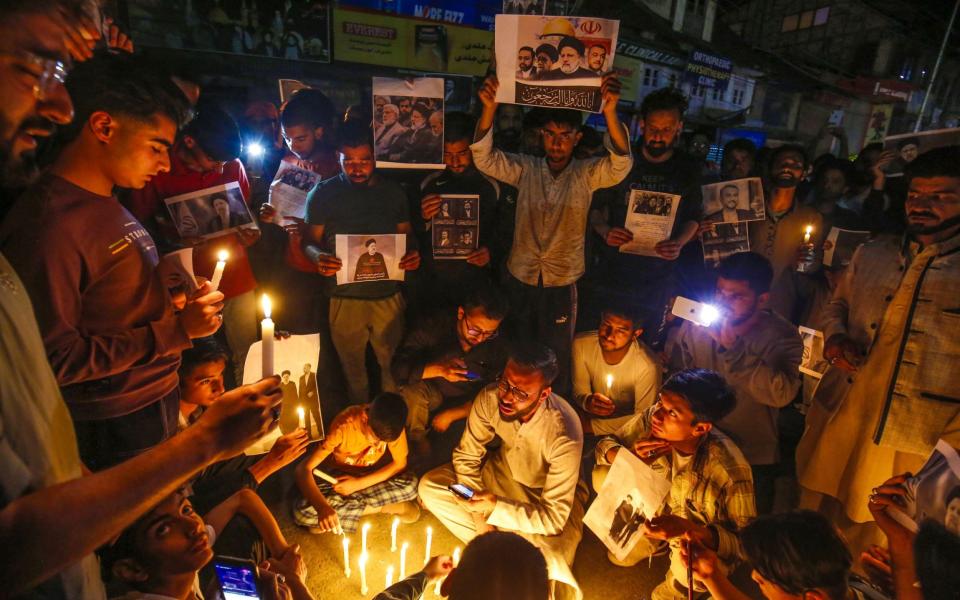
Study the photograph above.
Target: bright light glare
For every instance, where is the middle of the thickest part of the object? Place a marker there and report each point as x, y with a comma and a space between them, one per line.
255, 150
709, 315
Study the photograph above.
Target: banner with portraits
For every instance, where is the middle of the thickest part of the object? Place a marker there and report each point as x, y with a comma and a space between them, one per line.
456, 228
650, 218
554, 62
210, 212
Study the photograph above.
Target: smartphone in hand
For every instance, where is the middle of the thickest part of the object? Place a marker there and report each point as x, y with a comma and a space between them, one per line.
461, 490
237, 578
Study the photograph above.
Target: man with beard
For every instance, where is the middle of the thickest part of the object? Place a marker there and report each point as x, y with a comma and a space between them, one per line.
642, 281
891, 338
739, 157
525, 68
757, 352
596, 57
530, 484
385, 134
547, 255
615, 376
405, 110
780, 235
570, 54
729, 203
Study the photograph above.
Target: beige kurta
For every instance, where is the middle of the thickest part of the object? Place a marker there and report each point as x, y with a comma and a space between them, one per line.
838, 456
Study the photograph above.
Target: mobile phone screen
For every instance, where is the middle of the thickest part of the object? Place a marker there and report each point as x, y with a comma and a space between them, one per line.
462, 491
237, 582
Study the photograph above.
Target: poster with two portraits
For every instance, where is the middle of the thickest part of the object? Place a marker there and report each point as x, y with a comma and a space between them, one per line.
728, 207
552, 61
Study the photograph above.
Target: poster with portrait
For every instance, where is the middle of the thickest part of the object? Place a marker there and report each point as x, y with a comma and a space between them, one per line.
408, 122
840, 245
210, 212
650, 218
295, 360
812, 362
176, 271
934, 492
456, 228
524, 7
293, 29
631, 493
909, 146
370, 257
734, 201
554, 62
288, 192
724, 239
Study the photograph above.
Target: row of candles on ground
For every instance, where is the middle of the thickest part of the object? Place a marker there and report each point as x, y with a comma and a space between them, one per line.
364, 557
267, 326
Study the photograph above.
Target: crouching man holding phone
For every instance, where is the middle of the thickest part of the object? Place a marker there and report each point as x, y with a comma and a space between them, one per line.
711, 493
530, 485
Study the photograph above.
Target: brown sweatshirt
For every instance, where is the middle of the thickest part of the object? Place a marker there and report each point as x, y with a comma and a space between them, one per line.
107, 321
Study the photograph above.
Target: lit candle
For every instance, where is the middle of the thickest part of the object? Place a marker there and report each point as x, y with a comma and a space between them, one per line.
266, 331
403, 560
609, 383
456, 561
302, 416
393, 534
389, 576
436, 586
426, 554
806, 234
346, 556
218, 270
363, 574
363, 537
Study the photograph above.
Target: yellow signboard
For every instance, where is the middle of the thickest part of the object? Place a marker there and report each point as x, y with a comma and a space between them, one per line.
379, 39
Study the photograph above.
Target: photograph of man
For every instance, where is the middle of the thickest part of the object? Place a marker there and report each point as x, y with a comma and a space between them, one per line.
223, 217
468, 210
546, 56
388, 131
730, 213
288, 408
444, 241
621, 518
596, 58
378, 103
405, 105
308, 397
371, 264
525, 68
630, 529
466, 239
570, 51
908, 149
445, 211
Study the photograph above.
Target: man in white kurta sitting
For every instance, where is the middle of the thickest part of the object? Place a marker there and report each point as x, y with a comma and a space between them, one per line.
530, 484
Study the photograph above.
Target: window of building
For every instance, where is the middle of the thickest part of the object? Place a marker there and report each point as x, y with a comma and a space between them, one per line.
717, 93
789, 23
697, 7
673, 80
821, 16
651, 77
699, 90
738, 94
806, 20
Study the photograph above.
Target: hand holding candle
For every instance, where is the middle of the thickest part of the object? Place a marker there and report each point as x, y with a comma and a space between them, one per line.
806, 234
266, 332
218, 270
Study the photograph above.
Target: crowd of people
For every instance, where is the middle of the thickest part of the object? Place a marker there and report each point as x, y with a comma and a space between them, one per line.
516, 375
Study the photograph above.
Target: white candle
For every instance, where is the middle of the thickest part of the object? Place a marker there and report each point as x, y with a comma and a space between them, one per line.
266, 330
346, 556
436, 586
363, 537
363, 574
806, 234
456, 556
609, 383
403, 560
393, 534
389, 576
426, 554
218, 270
302, 416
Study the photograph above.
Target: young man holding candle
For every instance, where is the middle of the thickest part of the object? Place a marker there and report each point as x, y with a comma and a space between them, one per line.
360, 201
366, 450
530, 484
757, 352
554, 194
711, 492
615, 375
206, 154
108, 322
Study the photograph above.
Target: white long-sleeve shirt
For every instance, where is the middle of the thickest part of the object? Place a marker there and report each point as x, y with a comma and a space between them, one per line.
551, 219
542, 454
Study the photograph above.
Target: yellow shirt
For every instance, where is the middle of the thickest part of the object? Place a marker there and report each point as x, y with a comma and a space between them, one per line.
352, 449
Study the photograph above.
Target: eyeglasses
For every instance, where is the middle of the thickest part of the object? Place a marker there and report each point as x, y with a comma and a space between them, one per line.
505, 388
47, 72
475, 332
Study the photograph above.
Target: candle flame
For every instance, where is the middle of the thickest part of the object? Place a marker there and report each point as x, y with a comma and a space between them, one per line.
223, 255
609, 381
346, 542
266, 306
809, 229
456, 556
300, 412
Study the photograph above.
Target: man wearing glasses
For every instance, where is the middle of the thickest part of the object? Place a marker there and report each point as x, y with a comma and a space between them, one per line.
530, 484
444, 360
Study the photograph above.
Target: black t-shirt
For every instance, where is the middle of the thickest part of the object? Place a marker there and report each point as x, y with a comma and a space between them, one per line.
678, 175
